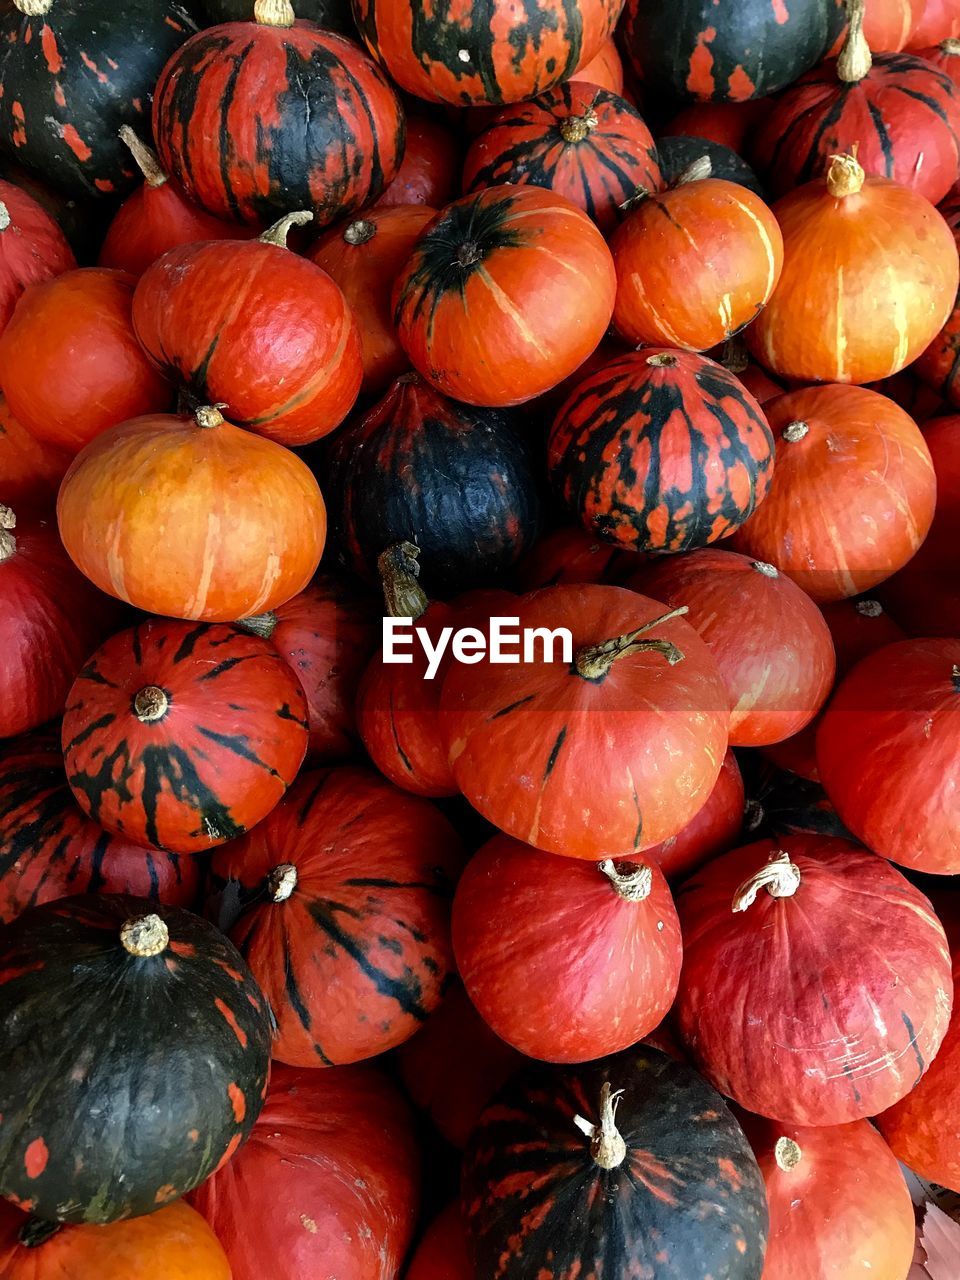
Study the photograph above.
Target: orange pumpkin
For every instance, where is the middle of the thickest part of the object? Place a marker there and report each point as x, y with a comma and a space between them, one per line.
940, 19
605, 69
887, 24
31, 469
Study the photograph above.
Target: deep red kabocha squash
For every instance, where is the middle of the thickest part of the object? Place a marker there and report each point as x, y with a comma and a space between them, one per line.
70, 363
242, 118
113, 1107
364, 258
661, 451
582, 142
816, 984
207, 520
846, 238
483, 307
344, 896
442, 1252
31, 469
629, 1166
329, 1181
853, 492
604, 69
32, 247
712, 830
729, 123
182, 736
430, 170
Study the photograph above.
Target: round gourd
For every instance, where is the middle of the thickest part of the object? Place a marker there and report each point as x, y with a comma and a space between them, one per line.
712, 830
135, 1057
945, 56
429, 173
677, 154
31, 469
32, 247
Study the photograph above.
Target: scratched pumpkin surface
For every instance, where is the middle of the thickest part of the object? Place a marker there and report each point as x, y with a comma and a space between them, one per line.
73, 76
687, 1203
125, 1080
203, 761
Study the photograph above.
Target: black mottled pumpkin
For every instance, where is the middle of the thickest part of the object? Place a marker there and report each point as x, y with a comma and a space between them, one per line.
72, 74
134, 1056
626, 1168
332, 15
457, 481
678, 153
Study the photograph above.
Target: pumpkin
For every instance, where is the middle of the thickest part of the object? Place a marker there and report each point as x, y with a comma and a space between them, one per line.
939, 366
822, 323
695, 263
898, 708
74, 73
401, 473
945, 56
242, 118
364, 258
348, 924
483, 305
604, 69
939, 21
521, 738
677, 154
729, 123
905, 389
724, 50
31, 468
632, 1165
596, 984
245, 518
70, 364
712, 830
113, 1107
332, 15
172, 1244
430, 170
853, 491
157, 216
32, 247
442, 1252
569, 554
839, 1205
51, 619
661, 451
584, 143
816, 983
182, 736
735, 357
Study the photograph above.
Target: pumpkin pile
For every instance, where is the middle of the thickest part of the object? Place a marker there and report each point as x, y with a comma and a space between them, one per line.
342, 342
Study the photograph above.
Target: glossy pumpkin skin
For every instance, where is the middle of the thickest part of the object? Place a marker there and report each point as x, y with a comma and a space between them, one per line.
202, 309
31, 469
200, 758
70, 363
337, 1151
73, 76
584, 143
898, 711
678, 153
364, 258
430, 169
442, 1252
520, 736
694, 265
125, 1108
536, 1203
711, 831
661, 451
852, 497
32, 247
818, 1008
239, 120
245, 518
482, 307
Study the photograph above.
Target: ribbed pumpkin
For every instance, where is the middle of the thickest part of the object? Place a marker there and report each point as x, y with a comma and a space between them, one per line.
31, 469
677, 154
134, 1060
712, 830
202, 309
207, 520
429, 173
816, 984
945, 56
483, 306
580, 141
182, 736
661, 451
243, 119
32, 247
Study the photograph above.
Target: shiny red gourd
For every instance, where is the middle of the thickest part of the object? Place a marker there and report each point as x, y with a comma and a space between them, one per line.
713, 830
32, 247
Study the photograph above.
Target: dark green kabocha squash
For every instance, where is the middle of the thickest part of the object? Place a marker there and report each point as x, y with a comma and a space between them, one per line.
133, 1060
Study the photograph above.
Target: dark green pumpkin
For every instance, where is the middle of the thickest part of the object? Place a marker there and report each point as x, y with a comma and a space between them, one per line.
679, 1198
678, 153
131, 1067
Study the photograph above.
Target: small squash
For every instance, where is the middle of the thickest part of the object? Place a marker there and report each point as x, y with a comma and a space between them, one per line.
32, 247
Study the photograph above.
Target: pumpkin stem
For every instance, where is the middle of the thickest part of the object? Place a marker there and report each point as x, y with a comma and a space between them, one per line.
277, 234
274, 13
696, 171
753, 815
779, 876
4, 216
735, 357
950, 46
282, 881
595, 660
209, 415
33, 8
8, 543
146, 159
633, 885
794, 432
468, 255
869, 608
663, 360
144, 936
845, 177
577, 128
262, 624
360, 232
855, 58
955, 677
787, 1154
639, 195
399, 570
150, 704
767, 570
36, 1232
606, 1142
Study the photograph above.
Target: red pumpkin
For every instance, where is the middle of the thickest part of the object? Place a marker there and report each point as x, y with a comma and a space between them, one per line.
940, 20
522, 738
348, 924
430, 169
822, 323
483, 305
442, 1253
906, 389
584, 143
945, 56
604, 69
327, 1183
70, 364
569, 554
853, 492
364, 259
858, 628
31, 468
182, 736
729, 123
565, 961
51, 620
712, 830
816, 984
887, 24
32, 247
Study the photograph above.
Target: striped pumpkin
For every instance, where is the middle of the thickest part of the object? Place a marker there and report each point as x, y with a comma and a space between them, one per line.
945, 56
939, 366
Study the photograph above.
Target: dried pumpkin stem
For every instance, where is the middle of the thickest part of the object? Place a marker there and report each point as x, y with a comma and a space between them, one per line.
794, 432
277, 234
8, 543
209, 415
150, 704
33, 8
869, 608
144, 936
787, 1154
145, 158
855, 58
282, 881
696, 171
577, 128
360, 231
595, 660
274, 13
606, 1142
765, 570
735, 357
845, 177
950, 46
399, 568
633, 885
261, 624
780, 877
4, 216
